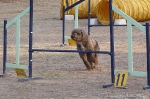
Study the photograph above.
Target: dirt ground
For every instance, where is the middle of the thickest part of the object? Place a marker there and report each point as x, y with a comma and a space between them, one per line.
63, 75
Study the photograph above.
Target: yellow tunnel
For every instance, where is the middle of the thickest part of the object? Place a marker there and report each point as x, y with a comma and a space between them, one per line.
82, 8
137, 9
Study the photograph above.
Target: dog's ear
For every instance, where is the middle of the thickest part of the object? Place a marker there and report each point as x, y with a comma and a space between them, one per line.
84, 35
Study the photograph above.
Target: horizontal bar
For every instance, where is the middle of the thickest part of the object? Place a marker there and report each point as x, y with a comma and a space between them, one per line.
138, 73
113, 25
73, 5
146, 87
27, 79
67, 37
81, 51
108, 85
134, 73
1, 75
10, 65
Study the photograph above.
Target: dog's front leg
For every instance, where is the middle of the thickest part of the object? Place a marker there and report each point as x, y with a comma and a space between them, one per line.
96, 61
88, 65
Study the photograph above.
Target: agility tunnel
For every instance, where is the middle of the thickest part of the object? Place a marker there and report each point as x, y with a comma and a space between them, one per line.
137, 9
82, 8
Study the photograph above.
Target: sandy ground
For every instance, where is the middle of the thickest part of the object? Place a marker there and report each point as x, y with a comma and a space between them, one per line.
63, 75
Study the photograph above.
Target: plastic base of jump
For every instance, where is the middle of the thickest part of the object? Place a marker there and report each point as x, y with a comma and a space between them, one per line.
120, 22
69, 17
146, 87
62, 45
27, 79
108, 85
94, 21
1, 75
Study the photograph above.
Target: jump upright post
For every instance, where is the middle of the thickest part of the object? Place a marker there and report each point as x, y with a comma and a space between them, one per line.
111, 44
4, 48
30, 37
112, 53
148, 56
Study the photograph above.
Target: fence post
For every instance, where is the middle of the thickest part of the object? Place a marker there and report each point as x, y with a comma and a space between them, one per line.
111, 42
148, 56
111, 46
4, 46
89, 16
30, 37
63, 23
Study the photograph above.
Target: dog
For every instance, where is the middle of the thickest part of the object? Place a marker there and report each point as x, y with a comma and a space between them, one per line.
87, 43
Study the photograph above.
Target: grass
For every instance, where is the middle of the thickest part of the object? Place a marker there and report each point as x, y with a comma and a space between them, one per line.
1, 26
53, 75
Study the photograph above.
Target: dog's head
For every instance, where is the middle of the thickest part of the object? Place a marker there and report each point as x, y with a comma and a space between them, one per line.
78, 35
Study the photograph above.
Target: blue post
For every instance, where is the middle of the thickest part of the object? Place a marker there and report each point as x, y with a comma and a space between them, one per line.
111, 41
4, 47
63, 21
67, 3
30, 37
111, 46
89, 16
148, 56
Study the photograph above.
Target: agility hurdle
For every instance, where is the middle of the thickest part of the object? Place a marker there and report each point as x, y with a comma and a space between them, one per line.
17, 64
31, 49
130, 22
6, 26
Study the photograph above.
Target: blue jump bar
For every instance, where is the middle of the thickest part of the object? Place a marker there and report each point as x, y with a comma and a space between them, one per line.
113, 25
81, 51
73, 5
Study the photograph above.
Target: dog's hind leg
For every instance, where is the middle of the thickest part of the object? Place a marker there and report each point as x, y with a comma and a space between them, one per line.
93, 57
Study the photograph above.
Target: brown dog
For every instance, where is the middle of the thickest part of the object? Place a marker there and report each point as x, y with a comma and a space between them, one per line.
85, 42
